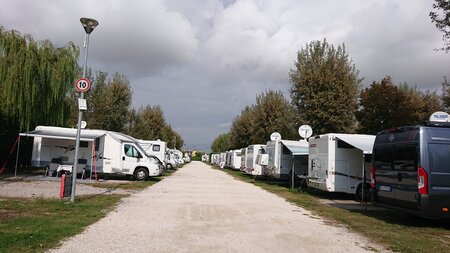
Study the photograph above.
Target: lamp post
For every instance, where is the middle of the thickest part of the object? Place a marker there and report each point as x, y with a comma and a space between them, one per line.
89, 26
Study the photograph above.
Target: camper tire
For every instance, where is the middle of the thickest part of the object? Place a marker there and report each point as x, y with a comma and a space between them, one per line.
358, 194
141, 174
169, 166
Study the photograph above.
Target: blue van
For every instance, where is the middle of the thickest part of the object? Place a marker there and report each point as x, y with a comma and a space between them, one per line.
411, 169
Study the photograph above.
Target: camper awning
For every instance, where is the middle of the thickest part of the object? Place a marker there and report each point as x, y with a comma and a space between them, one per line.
66, 135
364, 144
296, 147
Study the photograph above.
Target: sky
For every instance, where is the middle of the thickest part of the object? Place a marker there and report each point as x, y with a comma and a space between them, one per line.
203, 61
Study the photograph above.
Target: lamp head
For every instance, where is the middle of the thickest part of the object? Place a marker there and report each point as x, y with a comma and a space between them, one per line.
89, 24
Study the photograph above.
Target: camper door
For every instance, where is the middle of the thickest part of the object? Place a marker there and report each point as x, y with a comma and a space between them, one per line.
130, 157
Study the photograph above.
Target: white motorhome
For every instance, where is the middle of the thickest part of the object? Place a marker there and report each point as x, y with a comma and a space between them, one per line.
105, 152
243, 159
282, 154
171, 160
252, 167
156, 148
222, 160
235, 159
337, 162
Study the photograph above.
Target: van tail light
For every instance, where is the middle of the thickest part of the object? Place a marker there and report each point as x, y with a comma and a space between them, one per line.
253, 169
422, 181
372, 177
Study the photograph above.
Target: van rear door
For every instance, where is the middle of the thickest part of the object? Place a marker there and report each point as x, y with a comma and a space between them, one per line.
439, 178
405, 161
384, 174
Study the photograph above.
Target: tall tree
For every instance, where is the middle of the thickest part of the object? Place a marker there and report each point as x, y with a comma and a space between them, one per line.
35, 78
221, 143
385, 105
149, 124
440, 16
325, 87
241, 128
272, 113
113, 107
432, 103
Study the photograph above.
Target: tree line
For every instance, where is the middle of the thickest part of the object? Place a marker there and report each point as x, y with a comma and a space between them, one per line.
37, 88
326, 93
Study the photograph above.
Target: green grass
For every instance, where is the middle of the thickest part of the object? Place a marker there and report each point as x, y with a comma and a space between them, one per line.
391, 228
36, 225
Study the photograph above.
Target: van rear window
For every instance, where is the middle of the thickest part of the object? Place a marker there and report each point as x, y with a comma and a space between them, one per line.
439, 157
439, 134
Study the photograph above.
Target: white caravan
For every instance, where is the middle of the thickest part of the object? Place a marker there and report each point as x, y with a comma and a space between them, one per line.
223, 159
235, 160
282, 154
171, 161
156, 148
105, 152
252, 167
243, 159
215, 159
337, 162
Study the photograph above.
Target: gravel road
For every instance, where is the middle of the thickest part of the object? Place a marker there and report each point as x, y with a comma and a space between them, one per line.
199, 209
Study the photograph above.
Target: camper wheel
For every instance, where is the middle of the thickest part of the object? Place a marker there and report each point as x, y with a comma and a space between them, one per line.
169, 166
140, 174
366, 192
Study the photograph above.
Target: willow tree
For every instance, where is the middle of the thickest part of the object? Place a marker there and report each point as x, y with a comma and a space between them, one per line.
35, 78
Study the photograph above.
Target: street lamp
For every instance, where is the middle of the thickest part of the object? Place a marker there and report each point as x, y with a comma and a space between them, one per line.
89, 25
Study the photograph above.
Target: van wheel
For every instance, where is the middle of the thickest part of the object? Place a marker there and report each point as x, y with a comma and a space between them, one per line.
140, 174
359, 196
169, 166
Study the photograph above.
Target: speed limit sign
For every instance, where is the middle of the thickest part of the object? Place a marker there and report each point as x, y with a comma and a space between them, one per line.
82, 84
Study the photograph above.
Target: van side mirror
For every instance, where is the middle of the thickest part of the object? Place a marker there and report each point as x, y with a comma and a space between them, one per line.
139, 155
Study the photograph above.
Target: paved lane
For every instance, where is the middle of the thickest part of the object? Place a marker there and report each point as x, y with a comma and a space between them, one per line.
199, 209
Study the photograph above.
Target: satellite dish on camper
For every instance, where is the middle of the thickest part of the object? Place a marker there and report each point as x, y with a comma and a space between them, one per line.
275, 136
305, 131
83, 124
440, 117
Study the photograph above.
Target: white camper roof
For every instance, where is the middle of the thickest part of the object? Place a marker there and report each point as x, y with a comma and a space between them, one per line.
71, 133
362, 142
297, 147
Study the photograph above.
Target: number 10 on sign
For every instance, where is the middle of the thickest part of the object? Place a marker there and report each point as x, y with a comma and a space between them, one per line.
82, 85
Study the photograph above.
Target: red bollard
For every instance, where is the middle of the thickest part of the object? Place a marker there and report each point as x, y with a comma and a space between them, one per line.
61, 189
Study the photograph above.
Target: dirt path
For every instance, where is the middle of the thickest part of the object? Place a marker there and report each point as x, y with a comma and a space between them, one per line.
199, 209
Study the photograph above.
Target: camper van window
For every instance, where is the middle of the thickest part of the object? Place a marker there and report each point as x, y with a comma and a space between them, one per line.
156, 148
84, 144
343, 144
383, 158
97, 144
405, 158
439, 157
131, 151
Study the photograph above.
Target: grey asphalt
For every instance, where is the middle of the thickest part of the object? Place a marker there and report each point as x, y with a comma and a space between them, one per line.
200, 209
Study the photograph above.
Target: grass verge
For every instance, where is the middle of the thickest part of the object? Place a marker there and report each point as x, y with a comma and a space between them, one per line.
36, 225
391, 228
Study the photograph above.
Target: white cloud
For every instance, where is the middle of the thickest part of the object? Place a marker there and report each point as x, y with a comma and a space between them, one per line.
203, 61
